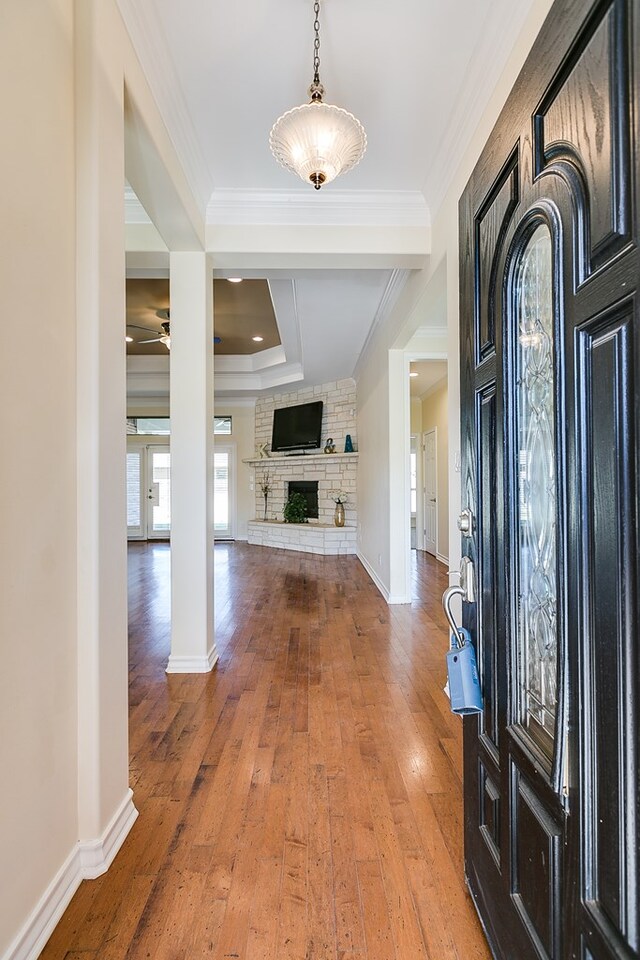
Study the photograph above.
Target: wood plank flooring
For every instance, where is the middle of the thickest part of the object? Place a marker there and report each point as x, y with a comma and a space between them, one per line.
301, 802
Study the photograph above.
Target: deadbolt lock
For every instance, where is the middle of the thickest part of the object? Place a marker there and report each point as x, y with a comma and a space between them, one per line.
465, 523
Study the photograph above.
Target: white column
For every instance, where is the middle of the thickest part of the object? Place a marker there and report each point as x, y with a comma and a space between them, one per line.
191, 384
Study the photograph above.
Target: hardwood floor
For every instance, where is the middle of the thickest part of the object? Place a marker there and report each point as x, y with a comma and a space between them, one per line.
302, 801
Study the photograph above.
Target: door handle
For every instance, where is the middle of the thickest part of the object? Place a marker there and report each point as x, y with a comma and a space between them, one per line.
466, 589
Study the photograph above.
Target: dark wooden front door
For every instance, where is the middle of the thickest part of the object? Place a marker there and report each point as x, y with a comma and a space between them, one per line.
550, 375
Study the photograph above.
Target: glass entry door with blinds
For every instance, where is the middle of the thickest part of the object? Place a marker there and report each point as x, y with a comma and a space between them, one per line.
223, 492
149, 492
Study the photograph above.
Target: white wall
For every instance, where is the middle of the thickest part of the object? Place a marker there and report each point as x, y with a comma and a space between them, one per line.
382, 421
243, 427
38, 749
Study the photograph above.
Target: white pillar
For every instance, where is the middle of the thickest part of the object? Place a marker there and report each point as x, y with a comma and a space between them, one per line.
191, 386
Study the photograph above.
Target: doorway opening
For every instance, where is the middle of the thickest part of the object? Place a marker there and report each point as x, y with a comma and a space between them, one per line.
428, 473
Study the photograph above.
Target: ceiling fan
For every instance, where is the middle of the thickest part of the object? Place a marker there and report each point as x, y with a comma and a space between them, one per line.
163, 336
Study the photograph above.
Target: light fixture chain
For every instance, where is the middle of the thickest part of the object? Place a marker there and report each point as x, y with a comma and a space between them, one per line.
316, 42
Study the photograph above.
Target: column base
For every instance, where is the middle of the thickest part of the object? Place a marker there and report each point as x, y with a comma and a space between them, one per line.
177, 664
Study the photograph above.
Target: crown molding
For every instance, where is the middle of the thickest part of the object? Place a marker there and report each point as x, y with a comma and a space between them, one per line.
480, 79
223, 404
389, 298
364, 208
134, 212
153, 54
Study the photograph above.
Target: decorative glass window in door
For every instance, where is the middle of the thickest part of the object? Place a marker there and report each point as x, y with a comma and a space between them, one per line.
536, 546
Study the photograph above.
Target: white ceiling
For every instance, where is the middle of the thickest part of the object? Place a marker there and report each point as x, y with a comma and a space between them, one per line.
429, 374
415, 72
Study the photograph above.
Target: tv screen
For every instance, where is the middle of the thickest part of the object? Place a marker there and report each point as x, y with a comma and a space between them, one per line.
297, 428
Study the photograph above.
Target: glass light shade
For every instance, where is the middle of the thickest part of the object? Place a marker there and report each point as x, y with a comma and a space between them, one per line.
318, 141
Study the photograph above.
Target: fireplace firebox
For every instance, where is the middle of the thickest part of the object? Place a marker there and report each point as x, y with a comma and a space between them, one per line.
309, 490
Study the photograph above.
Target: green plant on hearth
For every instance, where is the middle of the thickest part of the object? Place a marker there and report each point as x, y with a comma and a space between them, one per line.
295, 509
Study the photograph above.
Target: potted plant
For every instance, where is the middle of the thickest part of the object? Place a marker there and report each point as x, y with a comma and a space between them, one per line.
295, 509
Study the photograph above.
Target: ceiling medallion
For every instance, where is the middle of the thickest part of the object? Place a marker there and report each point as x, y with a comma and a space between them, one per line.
317, 140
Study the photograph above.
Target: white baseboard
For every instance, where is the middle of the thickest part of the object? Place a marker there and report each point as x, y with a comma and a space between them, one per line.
96, 856
374, 576
389, 598
393, 599
86, 861
193, 664
442, 559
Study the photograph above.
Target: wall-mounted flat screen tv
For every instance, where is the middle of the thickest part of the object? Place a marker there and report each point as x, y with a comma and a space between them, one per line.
297, 428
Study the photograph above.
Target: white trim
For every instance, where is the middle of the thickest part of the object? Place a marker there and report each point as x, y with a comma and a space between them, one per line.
396, 284
31, 940
177, 664
374, 576
222, 405
96, 856
443, 559
152, 50
364, 208
134, 212
86, 861
391, 599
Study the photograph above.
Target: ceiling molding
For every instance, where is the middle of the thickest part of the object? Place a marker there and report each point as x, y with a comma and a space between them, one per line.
481, 77
425, 332
389, 298
154, 55
381, 208
134, 212
222, 404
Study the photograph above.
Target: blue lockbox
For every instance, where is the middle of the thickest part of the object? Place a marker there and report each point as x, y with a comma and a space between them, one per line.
464, 683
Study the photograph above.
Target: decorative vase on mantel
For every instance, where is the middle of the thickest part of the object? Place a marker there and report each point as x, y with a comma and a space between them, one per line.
338, 516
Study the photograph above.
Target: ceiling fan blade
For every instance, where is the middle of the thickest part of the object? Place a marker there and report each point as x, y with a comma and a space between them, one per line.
136, 326
155, 340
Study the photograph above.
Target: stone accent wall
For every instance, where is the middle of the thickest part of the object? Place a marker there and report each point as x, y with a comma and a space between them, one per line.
338, 412
338, 420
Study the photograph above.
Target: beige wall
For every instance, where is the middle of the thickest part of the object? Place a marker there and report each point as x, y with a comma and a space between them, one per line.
63, 613
38, 749
435, 414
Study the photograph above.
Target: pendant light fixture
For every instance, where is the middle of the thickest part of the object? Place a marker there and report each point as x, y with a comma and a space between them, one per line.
317, 140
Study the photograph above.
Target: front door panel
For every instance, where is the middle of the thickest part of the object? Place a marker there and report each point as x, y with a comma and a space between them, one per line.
549, 346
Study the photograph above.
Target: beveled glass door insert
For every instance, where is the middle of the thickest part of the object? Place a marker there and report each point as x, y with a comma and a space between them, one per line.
536, 511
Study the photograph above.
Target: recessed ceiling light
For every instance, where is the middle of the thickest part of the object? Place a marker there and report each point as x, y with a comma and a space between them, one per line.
234, 279
129, 339
413, 373
258, 339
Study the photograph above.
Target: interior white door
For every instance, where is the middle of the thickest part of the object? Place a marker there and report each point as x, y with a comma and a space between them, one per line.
430, 473
223, 487
158, 492
136, 521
